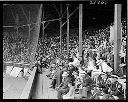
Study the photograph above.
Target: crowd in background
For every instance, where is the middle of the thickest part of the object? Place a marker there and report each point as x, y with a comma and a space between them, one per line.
92, 77
16, 48
74, 80
100, 43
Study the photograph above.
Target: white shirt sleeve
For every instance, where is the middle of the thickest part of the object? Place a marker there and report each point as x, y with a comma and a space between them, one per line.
76, 62
106, 68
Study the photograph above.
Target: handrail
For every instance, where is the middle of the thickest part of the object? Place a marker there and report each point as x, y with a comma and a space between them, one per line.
27, 89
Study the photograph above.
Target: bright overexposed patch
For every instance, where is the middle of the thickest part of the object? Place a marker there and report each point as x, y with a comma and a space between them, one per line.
8, 69
25, 71
15, 71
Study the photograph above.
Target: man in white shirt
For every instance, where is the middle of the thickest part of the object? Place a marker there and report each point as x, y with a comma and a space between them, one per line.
105, 67
75, 62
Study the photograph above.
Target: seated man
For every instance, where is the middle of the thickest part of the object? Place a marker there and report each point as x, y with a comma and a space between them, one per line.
53, 81
38, 65
95, 74
87, 85
63, 87
75, 62
105, 96
72, 68
70, 94
96, 92
91, 66
57, 79
59, 75
53, 73
51, 69
104, 67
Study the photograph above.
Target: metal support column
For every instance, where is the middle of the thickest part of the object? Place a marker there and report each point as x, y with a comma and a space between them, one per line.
29, 34
43, 36
117, 39
29, 25
67, 30
42, 40
127, 41
17, 23
80, 30
60, 29
43, 22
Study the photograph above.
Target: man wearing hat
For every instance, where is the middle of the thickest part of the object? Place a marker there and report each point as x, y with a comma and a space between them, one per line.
58, 77
72, 68
86, 84
38, 65
75, 62
52, 70
63, 87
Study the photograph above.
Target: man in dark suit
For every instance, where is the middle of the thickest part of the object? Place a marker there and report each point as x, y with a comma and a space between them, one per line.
63, 87
59, 76
87, 85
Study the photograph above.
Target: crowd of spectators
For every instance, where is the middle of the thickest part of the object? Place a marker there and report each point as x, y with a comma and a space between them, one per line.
74, 80
69, 74
92, 79
16, 48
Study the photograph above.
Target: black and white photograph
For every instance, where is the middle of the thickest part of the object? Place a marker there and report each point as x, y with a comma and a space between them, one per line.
65, 50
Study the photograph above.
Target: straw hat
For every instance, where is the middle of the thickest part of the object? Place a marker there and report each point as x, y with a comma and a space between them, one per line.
53, 65
82, 72
65, 74
70, 64
74, 73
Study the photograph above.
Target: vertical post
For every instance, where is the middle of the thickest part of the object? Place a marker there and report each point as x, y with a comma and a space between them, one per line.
60, 29
29, 25
43, 30
117, 39
43, 35
80, 30
29, 34
67, 30
127, 40
17, 23
43, 23
36, 36
38, 88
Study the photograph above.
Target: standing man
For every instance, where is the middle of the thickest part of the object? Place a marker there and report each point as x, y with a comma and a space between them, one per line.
59, 76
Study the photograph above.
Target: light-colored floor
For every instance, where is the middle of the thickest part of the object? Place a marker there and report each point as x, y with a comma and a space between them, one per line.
12, 87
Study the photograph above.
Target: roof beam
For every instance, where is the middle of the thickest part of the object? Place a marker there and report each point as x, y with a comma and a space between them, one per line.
24, 13
70, 16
